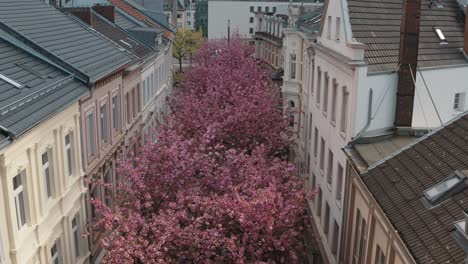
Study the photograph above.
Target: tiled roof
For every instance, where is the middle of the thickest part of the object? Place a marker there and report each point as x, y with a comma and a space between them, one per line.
119, 36
60, 35
46, 88
377, 24
398, 184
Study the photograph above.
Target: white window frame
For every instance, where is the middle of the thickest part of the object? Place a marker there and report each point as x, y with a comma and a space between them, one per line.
16, 193
48, 177
90, 134
459, 102
75, 236
104, 122
69, 152
57, 257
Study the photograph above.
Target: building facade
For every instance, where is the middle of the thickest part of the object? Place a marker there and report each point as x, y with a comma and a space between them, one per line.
241, 15
43, 214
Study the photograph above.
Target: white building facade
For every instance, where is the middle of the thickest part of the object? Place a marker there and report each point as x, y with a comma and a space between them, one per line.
241, 15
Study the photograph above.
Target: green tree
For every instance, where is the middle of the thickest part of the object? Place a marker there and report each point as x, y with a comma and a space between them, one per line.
186, 43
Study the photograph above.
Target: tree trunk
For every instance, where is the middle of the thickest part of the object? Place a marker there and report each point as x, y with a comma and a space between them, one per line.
180, 65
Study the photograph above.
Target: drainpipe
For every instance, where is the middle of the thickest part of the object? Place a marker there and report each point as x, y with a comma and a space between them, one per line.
369, 119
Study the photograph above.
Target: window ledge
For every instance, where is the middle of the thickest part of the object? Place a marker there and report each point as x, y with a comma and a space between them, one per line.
338, 203
343, 134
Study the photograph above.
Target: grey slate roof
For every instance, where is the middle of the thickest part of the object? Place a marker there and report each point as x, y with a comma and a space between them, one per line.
377, 24
398, 183
59, 34
120, 37
47, 89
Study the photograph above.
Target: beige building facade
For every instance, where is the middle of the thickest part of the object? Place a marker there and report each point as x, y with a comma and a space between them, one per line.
370, 237
44, 222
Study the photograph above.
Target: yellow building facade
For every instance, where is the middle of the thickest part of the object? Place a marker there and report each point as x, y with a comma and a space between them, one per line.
41, 182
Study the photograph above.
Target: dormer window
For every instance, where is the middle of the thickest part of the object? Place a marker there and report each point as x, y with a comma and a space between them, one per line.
441, 36
442, 190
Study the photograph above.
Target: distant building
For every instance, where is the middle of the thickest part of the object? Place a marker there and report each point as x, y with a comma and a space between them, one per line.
240, 14
201, 17
185, 12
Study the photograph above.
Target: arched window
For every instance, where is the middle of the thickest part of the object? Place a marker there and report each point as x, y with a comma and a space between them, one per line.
292, 104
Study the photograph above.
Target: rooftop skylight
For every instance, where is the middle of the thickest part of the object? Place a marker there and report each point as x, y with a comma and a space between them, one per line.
436, 193
126, 43
441, 36
11, 81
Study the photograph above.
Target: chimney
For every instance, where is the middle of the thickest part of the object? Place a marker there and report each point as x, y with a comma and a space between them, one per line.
465, 35
83, 13
408, 59
106, 11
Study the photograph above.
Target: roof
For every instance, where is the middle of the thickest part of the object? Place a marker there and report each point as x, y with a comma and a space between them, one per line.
398, 183
159, 17
376, 151
120, 37
124, 21
46, 89
61, 36
310, 21
377, 25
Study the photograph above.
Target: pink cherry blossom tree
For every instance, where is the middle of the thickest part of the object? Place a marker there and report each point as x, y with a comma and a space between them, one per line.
214, 188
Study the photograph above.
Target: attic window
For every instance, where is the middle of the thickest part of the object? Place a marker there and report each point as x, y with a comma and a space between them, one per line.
126, 43
441, 36
11, 81
437, 193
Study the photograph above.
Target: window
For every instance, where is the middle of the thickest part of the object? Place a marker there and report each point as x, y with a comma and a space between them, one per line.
259, 9
251, 31
251, 20
336, 233
313, 181
322, 155
96, 195
292, 104
76, 235
329, 27
379, 256
309, 136
441, 36
188, 22
90, 143
458, 102
325, 93
315, 142
104, 130
115, 112
337, 29
134, 100
330, 167
359, 238
319, 203
308, 164
291, 120
319, 86
151, 88
107, 188
251, 9
344, 110
267, 9
47, 174
18, 193
274, 9
144, 92
188, 15
339, 182
55, 253
334, 93
179, 15
128, 106
69, 153
292, 70
326, 227
439, 192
